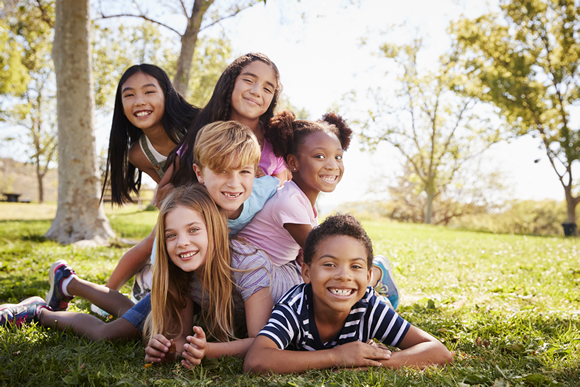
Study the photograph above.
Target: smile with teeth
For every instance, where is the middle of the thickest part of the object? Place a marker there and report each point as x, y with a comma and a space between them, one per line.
341, 292
188, 254
329, 179
143, 113
231, 195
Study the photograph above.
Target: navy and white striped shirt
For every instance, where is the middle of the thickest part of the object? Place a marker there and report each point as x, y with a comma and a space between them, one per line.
292, 323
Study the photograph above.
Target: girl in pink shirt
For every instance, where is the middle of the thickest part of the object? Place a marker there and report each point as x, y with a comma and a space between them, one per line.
313, 152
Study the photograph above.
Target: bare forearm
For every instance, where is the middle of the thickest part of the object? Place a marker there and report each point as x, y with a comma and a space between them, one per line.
420, 356
231, 348
131, 262
286, 361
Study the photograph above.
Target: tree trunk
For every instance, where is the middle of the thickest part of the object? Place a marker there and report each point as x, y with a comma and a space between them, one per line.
188, 42
39, 177
428, 218
79, 216
571, 203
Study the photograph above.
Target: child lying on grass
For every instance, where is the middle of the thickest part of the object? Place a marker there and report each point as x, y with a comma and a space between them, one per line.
335, 315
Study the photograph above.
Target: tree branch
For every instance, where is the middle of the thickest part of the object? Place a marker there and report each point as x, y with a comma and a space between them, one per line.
103, 16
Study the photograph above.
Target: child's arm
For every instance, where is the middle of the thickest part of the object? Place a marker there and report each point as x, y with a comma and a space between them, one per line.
165, 185
131, 262
141, 162
419, 349
264, 357
258, 309
298, 231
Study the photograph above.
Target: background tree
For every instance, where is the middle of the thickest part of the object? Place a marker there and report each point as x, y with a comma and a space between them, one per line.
474, 190
435, 129
27, 82
196, 13
79, 215
526, 62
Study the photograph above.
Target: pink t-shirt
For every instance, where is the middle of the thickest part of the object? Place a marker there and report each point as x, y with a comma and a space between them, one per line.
269, 163
266, 230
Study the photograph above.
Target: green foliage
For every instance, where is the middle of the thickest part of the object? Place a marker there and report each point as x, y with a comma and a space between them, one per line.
117, 49
505, 305
525, 61
520, 217
27, 84
435, 129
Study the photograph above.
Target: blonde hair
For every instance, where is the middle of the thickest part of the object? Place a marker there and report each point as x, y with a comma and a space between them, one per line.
171, 284
223, 145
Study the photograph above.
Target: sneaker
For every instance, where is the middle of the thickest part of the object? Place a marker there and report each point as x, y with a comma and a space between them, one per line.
386, 285
56, 299
142, 283
25, 312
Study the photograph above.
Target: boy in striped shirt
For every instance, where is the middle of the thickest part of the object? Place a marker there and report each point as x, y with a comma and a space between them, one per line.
335, 316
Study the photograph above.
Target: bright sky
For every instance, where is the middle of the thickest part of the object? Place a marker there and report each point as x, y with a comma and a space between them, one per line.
320, 59
317, 47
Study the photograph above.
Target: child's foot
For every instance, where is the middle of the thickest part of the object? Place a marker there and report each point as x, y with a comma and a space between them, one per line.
386, 285
25, 312
57, 298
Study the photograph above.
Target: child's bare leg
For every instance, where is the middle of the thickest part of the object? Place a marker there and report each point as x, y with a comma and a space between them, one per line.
107, 299
86, 325
131, 262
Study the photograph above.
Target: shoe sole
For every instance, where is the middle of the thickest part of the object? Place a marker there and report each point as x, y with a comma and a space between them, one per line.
53, 268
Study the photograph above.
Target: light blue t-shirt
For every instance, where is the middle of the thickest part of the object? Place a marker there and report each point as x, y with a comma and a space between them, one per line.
264, 188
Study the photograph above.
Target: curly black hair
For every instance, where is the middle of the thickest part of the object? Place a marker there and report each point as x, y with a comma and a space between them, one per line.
339, 224
286, 134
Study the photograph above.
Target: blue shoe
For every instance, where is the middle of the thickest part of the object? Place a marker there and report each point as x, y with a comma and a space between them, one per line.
386, 285
56, 299
25, 312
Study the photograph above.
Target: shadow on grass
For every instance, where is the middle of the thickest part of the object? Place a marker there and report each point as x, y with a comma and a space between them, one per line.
15, 287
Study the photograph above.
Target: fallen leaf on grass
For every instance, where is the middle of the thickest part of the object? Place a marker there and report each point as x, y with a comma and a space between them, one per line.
147, 365
17, 353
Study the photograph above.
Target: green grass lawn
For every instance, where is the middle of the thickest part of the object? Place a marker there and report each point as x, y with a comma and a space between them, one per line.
507, 306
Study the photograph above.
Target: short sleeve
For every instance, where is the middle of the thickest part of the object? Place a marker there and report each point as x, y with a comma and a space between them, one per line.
292, 208
280, 165
282, 327
387, 326
253, 269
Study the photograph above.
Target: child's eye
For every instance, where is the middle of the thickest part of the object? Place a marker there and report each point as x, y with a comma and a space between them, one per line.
339, 157
328, 264
268, 90
248, 80
169, 236
357, 266
127, 95
150, 92
193, 230
319, 156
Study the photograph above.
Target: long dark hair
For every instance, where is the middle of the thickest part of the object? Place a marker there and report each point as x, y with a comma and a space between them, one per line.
178, 116
219, 109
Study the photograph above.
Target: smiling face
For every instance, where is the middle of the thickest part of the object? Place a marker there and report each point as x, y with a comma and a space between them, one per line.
318, 166
186, 238
143, 101
253, 93
229, 189
339, 275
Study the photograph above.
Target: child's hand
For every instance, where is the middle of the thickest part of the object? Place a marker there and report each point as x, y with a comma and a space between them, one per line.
159, 349
195, 350
359, 354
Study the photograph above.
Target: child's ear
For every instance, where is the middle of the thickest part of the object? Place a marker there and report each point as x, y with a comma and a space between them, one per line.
198, 174
306, 273
292, 162
369, 276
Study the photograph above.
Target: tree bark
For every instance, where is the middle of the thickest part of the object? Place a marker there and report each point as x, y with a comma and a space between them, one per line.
428, 218
79, 216
571, 203
188, 42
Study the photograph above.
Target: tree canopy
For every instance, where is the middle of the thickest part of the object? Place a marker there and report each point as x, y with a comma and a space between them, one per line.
525, 61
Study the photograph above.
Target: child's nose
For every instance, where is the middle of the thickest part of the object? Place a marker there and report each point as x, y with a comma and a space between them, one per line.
234, 180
